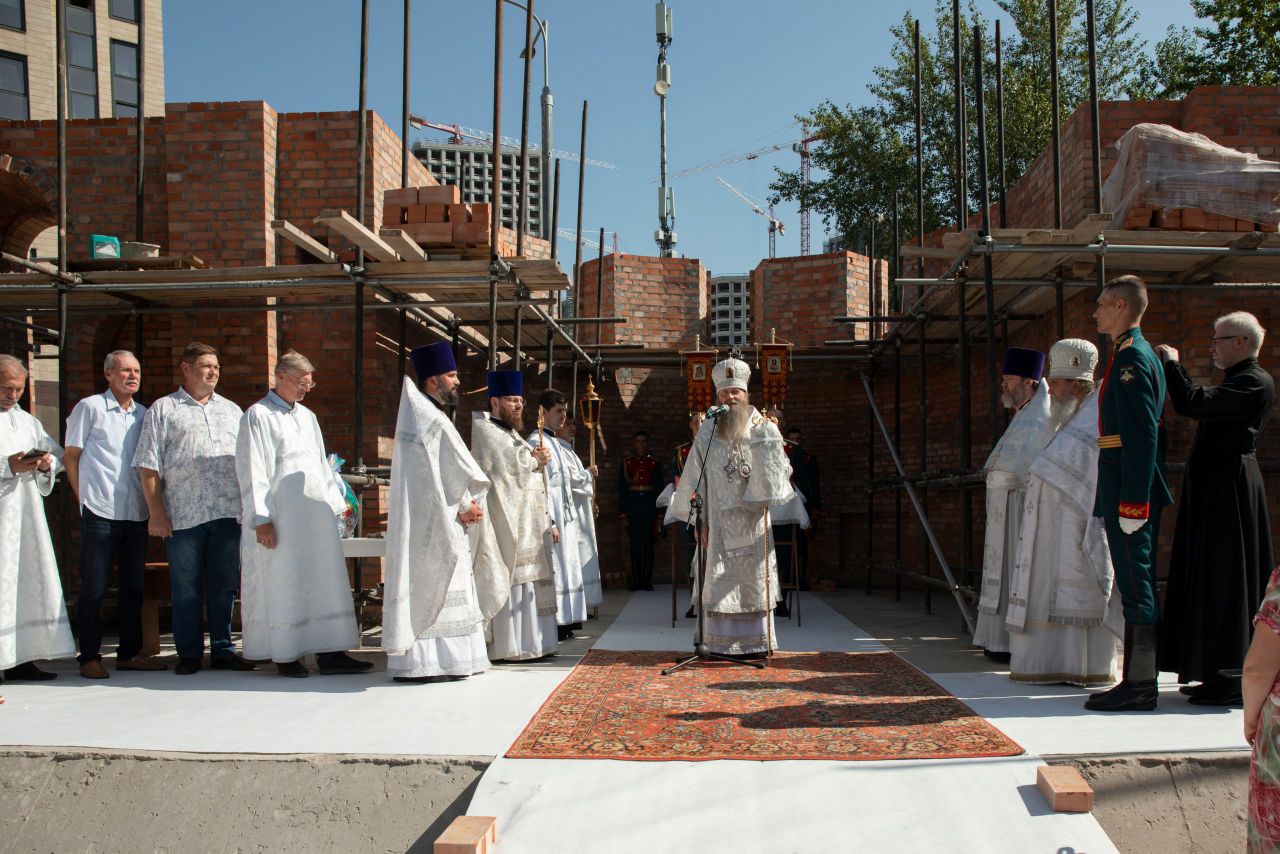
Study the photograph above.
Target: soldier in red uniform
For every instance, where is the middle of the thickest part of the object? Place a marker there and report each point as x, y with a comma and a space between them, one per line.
639, 483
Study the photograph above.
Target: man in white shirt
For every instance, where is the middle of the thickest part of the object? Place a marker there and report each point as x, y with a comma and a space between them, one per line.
186, 459
102, 436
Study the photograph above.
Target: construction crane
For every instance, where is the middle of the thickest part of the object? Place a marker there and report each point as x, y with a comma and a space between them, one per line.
569, 235
458, 134
775, 227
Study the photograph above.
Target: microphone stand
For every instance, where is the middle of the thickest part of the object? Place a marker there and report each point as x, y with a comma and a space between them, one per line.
701, 652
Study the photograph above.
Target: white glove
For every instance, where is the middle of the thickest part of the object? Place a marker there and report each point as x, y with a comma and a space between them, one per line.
1131, 526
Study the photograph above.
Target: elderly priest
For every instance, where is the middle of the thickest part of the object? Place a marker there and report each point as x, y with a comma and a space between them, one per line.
432, 621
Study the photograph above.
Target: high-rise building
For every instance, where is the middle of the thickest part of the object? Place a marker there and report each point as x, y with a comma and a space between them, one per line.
103, 60
730, 310
469, 167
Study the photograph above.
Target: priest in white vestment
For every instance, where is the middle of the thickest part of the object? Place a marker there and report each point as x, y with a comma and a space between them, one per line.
516, 533
295, 598
582, 485
1062, 627
1023, 390
566, 557
432, 622
33, 616
746, 474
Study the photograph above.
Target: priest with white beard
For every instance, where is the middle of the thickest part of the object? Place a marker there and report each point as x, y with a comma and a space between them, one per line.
516, 533
33, 616
746, 474
1062, 629
295, 598
432, 618
582, 486
1022, 390
566, 557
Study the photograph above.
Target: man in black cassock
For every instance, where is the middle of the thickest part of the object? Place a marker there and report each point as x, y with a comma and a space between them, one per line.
1222, 552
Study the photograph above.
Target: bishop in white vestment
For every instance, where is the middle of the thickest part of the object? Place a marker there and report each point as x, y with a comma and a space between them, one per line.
1022, 390
566, 557
746, 474
432, 622
516, 534
1062, 626
33, 616
295, 598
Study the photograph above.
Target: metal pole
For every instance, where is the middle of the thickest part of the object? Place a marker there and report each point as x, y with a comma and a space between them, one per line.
402, 346
555, 218
361, 146
1100, 269
1054, 109
140, 128
871, 476
922, 380
993, 375
966, 431
874, 280
548, 107
1000, 174
962, 201
895, 298
599, 292
495, 197
897, 440
61, 49
1059, 306
577, 243
404, 124
523, 198
919, 155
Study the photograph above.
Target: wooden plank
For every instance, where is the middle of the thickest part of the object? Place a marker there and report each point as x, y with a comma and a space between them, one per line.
354, 230
218, 274
926, 252
1201, 269
402, 243
302, 240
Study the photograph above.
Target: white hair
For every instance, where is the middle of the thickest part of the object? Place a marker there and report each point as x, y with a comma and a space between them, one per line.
1243, 323
294, 362
109, 363
11, 365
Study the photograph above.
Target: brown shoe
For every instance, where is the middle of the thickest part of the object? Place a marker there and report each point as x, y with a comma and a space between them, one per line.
141, 662
94, 670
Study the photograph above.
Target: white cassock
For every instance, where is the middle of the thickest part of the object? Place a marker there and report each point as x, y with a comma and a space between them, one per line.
1062, 628
432, 622
566, 558
295, 599
1006, 471
515, 540
33, 616
744, 479
582, 488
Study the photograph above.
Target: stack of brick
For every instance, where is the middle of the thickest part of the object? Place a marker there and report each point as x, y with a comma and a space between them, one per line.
435, 216
1188, 219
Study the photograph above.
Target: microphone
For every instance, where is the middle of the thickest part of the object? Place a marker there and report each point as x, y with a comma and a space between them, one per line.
717, 411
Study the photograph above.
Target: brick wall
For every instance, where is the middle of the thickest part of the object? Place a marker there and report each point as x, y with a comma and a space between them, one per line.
664, 299
797, 297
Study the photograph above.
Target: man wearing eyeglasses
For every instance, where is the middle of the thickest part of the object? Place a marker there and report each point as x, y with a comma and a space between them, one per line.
296, 599
1222, 551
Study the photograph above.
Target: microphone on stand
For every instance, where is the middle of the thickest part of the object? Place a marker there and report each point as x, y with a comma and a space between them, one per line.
717, 411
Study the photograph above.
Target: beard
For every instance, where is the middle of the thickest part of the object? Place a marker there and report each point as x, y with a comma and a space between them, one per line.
514, 419
448, 398
732, 425
1061, 412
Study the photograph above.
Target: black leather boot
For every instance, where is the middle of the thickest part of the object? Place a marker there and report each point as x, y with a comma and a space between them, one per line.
1137, 691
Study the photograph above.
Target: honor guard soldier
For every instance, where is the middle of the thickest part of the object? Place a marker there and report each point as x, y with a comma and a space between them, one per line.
1131, 486
639, 483
804, 467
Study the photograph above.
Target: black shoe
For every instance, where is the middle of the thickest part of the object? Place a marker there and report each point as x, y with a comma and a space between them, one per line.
187, 666
563, 633
691, 614
230, 662
336, 663
998, 657
1128, 696
1137, 691
1220, 694
1195, 690
293, 669
425, 680
781, 610
28, 672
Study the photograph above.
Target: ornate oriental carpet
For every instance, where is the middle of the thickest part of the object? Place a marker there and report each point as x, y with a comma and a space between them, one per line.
812, 705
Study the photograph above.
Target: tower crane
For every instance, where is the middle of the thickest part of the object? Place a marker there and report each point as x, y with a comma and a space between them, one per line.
569, 235
458, 133
775, 227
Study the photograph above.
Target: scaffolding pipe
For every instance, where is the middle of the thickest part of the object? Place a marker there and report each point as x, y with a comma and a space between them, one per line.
919, 154
897, 440
495, 185
361, 148
871, 476
139, 217
895, 259
984, 191
957, 83
915, 501
1054, 110
921, 378
599, 294
404, 111
523, 198
577, 243
1000, 173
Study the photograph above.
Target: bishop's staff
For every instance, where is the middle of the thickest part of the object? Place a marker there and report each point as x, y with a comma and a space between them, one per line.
589, 408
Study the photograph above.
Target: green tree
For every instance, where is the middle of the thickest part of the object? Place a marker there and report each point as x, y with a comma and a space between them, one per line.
1239, 45
867, 154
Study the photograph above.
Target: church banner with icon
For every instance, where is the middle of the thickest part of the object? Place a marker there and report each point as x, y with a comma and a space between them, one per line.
774, 364
700, 392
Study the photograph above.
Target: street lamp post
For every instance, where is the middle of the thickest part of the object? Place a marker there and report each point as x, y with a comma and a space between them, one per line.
665, 236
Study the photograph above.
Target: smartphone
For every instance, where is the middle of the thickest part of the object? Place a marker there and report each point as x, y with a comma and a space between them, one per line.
33, 453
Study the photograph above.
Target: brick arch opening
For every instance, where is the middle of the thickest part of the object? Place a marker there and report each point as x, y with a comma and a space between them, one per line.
27, 199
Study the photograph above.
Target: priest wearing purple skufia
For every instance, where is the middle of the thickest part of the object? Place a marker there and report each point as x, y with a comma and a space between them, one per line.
1023, 391
433, 615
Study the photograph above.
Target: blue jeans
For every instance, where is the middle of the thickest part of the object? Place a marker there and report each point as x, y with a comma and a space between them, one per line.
100, 540
204, 559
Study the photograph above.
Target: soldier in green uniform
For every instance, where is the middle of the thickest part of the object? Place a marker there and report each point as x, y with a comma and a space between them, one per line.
1131, 486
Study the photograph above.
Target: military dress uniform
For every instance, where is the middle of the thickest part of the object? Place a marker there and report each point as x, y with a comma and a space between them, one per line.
804, 468
639, 484
1131, 485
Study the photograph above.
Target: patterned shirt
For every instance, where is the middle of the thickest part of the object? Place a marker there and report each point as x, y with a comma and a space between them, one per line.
193, 448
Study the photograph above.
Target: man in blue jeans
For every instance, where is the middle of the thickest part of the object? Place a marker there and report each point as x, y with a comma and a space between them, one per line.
186, 458
102, 436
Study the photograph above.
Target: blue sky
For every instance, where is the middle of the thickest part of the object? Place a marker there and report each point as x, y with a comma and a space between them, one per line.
741, 71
